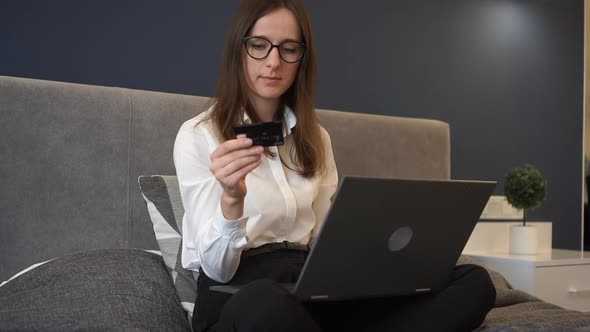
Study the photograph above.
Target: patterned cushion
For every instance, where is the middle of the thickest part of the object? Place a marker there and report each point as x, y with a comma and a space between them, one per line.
162, 197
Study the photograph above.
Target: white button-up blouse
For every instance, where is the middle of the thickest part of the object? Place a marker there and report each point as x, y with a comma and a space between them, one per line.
280, 205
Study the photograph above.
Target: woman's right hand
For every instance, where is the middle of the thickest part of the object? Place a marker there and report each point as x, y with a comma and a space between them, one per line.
230, 163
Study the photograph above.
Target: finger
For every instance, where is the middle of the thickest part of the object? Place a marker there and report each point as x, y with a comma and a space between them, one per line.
231, 145
224, 172
241, 136
235, 171
242, 172
231, 157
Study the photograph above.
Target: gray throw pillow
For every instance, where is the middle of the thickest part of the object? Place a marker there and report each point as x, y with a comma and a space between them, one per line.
162, 197
98, 290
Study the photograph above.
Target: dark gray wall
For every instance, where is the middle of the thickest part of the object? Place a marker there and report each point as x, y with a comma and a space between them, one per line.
506, 74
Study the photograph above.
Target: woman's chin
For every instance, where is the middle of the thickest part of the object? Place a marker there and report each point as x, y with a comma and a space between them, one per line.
270, 94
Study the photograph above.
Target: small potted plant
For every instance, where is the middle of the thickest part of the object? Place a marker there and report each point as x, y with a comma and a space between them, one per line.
525, 189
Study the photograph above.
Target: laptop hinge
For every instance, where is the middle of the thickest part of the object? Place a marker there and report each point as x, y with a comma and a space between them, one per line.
318, 297
422, 290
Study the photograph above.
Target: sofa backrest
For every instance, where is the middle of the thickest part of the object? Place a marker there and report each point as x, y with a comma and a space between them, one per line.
71, 155
388, 146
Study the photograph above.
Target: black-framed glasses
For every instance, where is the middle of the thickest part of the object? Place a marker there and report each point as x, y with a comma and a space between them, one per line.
259, 48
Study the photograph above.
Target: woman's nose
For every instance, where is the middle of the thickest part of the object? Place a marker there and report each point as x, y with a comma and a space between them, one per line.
274, 58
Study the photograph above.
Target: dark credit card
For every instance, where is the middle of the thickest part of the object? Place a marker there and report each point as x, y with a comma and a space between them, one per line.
262, 133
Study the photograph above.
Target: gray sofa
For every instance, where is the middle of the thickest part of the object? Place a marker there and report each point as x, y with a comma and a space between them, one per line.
70, 158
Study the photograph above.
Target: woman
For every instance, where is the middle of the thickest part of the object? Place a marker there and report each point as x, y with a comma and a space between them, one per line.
250, 212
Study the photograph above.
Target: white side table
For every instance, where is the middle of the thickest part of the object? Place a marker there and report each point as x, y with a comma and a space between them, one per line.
561, 277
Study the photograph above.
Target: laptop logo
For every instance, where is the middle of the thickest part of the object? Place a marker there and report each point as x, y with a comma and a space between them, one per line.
400, 238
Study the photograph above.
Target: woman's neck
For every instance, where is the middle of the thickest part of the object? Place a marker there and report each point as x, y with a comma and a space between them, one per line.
266, 109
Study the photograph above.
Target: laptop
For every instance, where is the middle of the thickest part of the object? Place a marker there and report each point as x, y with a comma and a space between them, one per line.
386, 237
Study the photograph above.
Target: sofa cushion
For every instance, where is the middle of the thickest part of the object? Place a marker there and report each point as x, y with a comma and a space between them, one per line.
162, 197
99, 290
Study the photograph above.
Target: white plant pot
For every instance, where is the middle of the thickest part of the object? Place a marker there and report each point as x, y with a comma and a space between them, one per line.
523, 240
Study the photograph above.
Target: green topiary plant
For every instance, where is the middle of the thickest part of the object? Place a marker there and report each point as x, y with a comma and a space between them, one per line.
525, 188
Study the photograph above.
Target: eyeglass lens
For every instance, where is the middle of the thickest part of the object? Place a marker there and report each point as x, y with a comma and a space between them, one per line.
260, 48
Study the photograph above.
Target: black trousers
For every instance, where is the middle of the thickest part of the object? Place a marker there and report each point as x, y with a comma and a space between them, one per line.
262, 305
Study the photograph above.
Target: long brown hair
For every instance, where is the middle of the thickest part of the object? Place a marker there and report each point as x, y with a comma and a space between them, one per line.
307, 151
